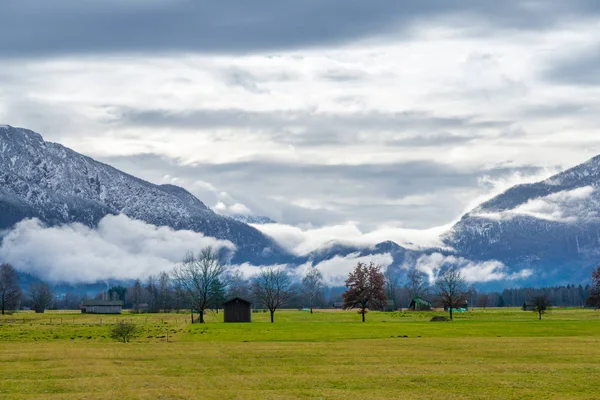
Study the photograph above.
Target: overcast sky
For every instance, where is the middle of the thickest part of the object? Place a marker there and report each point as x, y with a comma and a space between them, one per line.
378, 114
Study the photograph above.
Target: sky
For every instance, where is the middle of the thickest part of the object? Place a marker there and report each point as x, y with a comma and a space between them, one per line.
336, 118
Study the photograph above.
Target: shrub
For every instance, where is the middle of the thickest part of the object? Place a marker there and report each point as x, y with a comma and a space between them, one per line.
123, 331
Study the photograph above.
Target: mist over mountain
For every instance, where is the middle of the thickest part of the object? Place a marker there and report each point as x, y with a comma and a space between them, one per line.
56, 185
543, 233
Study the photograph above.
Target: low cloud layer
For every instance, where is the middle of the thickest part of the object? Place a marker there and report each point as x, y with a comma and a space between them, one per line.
565, 206
120, 248
472, 271
303, 241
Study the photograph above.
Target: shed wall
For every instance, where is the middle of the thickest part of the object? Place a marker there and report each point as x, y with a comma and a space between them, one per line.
237, 311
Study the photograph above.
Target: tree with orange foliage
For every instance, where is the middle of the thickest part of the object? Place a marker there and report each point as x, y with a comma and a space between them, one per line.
366, 289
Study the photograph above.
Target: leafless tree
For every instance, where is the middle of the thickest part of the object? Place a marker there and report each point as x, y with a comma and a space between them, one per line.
197, 281
313, 286
10, 291
366, 289
417, 283
136, 295
41, 296
541, 304
451, 289
165, 292
593, 299
392, 287
272, 288
238, 286
483, 300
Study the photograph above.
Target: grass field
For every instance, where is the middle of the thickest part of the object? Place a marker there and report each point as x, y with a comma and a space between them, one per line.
483, 354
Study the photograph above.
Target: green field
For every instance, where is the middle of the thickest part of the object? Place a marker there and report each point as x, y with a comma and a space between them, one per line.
483, 354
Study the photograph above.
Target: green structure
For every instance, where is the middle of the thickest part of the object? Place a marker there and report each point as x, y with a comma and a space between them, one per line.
419, 304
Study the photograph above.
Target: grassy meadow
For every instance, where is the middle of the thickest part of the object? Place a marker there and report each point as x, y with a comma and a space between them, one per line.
482, 354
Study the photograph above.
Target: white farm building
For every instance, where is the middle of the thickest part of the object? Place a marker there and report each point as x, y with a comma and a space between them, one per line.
101, 307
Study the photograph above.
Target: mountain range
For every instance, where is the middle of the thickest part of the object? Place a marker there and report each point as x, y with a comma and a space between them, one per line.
551, 228
48, 181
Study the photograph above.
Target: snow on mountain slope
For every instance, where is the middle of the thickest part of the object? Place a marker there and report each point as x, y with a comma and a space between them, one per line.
57, 185
553, 224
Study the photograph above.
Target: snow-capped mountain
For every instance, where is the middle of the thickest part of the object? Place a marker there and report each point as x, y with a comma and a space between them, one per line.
57, 185
252, 219
552, 225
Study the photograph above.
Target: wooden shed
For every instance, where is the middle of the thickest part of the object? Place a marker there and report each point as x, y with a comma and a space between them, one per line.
101, 307
419, 304
237, 310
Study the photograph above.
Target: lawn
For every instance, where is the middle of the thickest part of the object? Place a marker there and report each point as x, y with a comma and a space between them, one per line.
483, 354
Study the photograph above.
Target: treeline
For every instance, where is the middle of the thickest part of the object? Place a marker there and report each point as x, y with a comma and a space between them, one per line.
559, 296
201, 282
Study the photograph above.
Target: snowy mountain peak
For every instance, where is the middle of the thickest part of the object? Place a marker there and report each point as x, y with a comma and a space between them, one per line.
50, 182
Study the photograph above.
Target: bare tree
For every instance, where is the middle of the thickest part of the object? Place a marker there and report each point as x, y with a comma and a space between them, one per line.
313, 286
136, 295
451, 289
366, 289
483, 300
10, 291
593, 300
417, 283
237, 285
541, 304
151, 295
41, 296
392, 288
272, 288
198, 281
165, 292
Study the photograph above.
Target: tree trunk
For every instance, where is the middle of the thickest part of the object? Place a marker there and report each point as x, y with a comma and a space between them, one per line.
192, 315
311, 309
363, 315
272, 315
450, 308
201, 316
540, 316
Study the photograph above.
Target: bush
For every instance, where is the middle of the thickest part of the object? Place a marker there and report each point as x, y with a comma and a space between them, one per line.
439, 318
124, 331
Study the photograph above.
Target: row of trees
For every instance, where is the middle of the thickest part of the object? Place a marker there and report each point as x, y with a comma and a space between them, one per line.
201, 282
39, 297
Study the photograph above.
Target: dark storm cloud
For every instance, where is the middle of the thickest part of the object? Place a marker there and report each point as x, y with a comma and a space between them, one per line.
41, 27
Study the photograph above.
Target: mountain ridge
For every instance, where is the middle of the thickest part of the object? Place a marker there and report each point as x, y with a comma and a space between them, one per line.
57, 185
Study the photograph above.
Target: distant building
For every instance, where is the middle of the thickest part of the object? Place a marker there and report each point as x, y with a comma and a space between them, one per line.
338, 304
528, 307
101, 307
237, 310
419, 304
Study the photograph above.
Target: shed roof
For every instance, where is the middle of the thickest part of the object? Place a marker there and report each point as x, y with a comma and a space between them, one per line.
110, 303
237, 298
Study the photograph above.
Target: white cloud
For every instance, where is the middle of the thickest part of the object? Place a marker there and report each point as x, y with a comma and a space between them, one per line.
565, 206
472, 271
120, 248
303, 241
335, 270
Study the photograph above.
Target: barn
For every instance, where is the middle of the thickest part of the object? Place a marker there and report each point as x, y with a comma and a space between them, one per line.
237, 310
101, 307
419, 304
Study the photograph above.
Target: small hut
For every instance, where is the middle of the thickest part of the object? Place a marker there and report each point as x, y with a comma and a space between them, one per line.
237, 310
419, 304
101, 307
